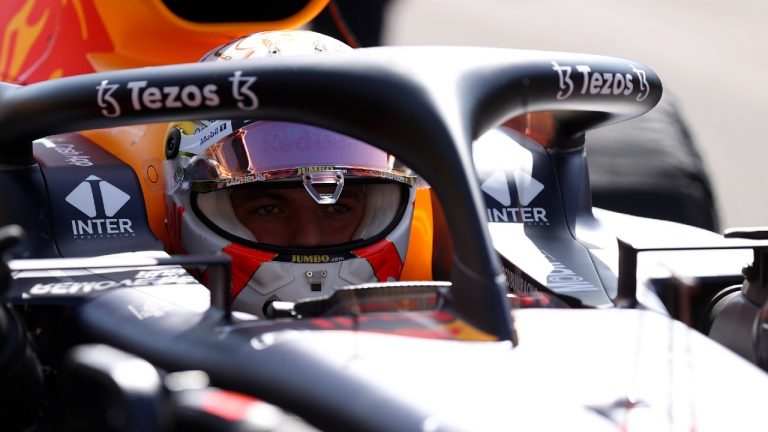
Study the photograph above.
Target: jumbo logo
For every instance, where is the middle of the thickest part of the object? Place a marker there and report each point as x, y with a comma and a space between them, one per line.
100, 201
528, 188
310, 259
314, 169
144, 96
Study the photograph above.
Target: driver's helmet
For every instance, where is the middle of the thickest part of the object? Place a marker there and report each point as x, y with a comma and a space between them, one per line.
300, 210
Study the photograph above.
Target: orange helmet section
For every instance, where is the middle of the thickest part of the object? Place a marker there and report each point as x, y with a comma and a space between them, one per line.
418, 261
44, 39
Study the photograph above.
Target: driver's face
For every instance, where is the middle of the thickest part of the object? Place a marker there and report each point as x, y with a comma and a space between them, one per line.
290, 217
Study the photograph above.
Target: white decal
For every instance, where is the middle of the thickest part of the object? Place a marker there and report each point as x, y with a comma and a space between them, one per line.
644, 87
527, 188
527, 215
190, 96
566, 83
71, 155
497, 187
560, 280
241, 91
244, 179
141, 279
144, 96
105, 100
564, 280
602, 83
516, 283
64, 288
150, 309
84, 198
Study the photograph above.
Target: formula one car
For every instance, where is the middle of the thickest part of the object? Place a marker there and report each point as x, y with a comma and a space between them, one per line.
544, 311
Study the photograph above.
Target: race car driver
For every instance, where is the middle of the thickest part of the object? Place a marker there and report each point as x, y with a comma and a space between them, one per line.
299, 209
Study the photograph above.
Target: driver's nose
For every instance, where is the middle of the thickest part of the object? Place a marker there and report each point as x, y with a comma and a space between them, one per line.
307, 231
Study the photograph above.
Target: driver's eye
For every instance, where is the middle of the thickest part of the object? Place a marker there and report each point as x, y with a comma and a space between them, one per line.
267, 210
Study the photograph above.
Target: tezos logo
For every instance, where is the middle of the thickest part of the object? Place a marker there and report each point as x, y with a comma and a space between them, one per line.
144, 96
527, 187
100, 201
605, 83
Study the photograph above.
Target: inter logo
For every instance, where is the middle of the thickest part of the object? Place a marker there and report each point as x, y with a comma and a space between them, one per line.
527, 187
99, 200
505, 169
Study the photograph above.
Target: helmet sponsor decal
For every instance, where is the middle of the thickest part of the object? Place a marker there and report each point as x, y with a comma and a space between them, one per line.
100, 201
203, 137
603, 83
250, 178
143, 96
310, 169
528, 188
313, 259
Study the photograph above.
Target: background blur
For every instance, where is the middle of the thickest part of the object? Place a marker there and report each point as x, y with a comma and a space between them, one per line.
709, 53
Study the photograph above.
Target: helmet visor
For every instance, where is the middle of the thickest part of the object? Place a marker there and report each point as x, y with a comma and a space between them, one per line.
271, 150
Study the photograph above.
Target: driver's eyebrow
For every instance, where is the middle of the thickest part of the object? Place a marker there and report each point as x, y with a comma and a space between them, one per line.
255, 193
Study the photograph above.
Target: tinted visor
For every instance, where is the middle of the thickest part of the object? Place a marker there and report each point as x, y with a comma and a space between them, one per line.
271, 150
